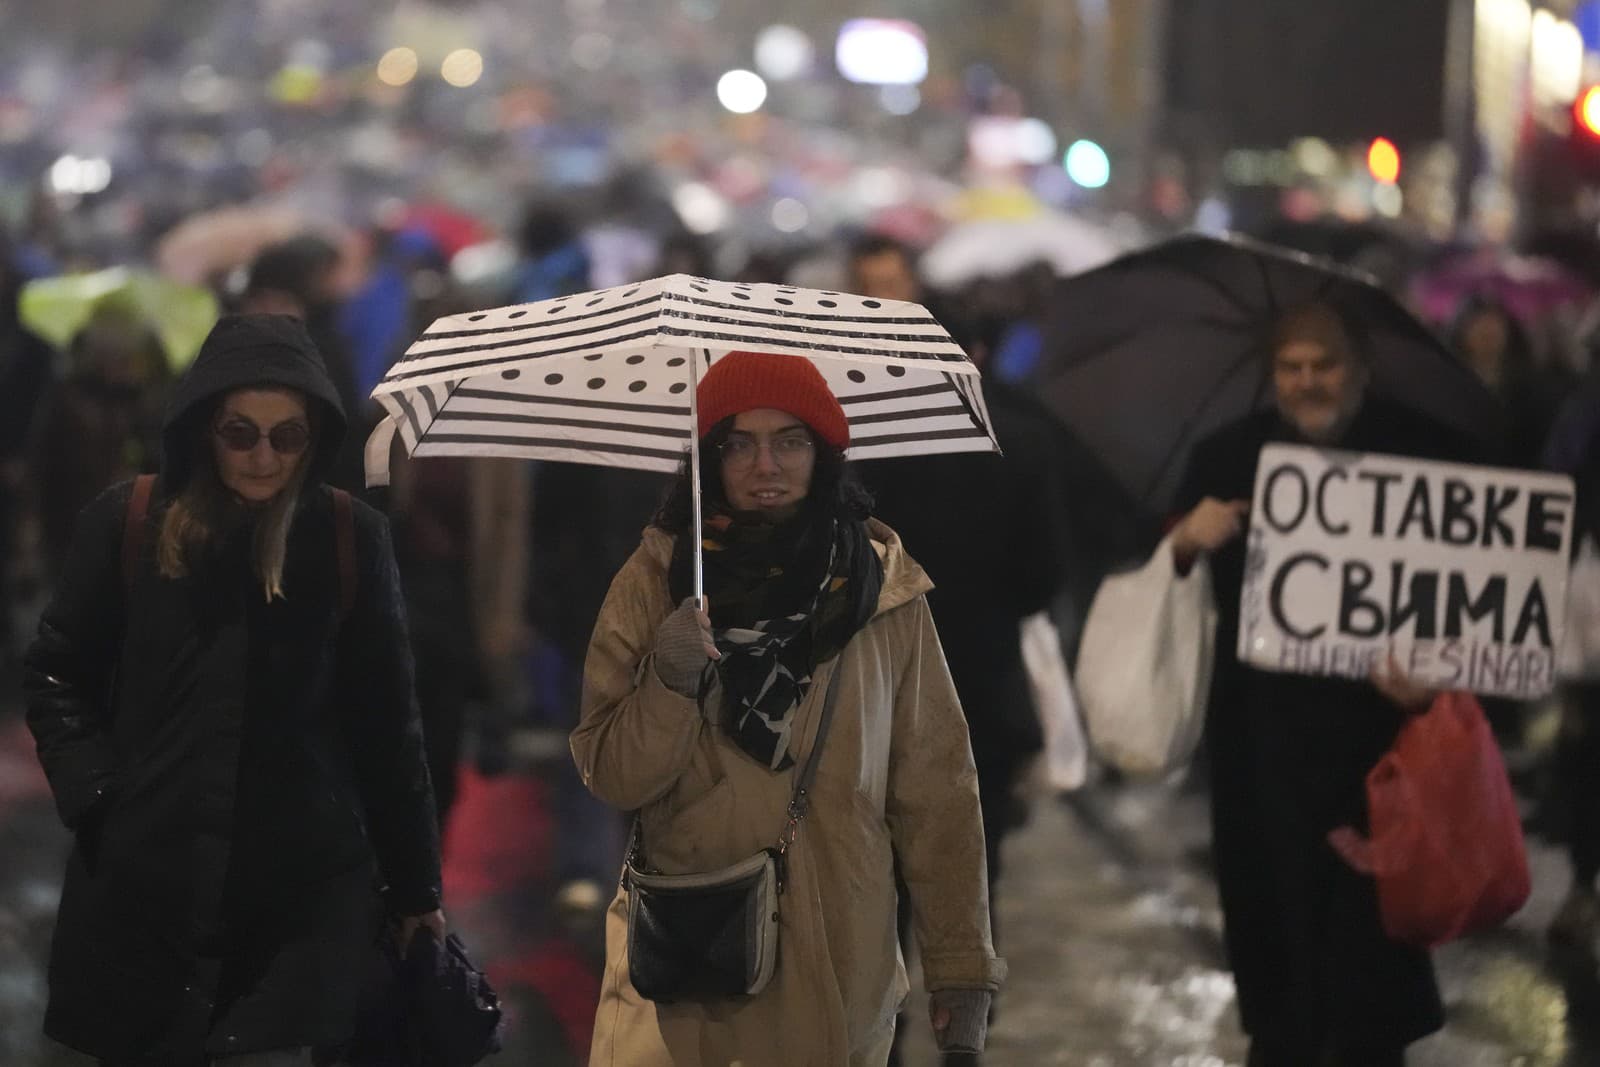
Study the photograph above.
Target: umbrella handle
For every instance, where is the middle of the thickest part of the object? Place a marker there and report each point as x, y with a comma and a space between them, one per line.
694, 476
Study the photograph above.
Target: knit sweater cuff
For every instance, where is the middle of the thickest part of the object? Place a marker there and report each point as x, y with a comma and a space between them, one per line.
969, 1017
680, 654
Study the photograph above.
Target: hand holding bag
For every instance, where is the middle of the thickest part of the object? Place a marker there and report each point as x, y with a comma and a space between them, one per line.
1145, 663
1446, 844
713, 935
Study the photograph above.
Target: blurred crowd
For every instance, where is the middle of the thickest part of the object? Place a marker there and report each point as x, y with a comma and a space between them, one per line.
504, 587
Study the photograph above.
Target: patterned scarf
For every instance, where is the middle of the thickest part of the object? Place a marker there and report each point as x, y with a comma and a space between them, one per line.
784, 598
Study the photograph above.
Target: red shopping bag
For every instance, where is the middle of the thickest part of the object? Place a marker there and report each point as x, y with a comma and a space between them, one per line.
1446, 842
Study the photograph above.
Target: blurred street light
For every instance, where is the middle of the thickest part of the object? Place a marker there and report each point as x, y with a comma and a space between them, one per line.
398, 66
789, 215
71, 175
1088, 165
1383, 161
1035, 141
783, 52
741, 91
882, 52
1556, 62
462, 68
1588, 111
1315, 156
700, 207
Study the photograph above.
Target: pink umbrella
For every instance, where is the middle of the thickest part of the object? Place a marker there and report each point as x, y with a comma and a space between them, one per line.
1529, 287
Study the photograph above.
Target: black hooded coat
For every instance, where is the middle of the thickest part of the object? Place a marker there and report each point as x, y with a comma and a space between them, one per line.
242, 776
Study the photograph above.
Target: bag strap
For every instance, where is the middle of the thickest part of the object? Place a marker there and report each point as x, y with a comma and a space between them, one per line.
345, 538
800, 802
133, 525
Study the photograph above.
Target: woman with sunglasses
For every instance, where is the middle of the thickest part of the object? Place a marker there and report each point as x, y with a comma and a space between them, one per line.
700, 720
229, 728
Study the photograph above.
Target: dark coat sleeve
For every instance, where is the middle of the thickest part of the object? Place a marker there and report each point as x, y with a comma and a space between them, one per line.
68, 669
1202, 475
384, 725
1038, 553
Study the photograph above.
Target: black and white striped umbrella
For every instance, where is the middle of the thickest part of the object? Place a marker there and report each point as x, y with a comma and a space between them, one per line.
608, 377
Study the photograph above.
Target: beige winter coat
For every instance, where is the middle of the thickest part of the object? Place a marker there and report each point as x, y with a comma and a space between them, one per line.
895, 779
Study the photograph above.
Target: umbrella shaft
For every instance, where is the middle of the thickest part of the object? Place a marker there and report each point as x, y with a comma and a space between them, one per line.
694, 475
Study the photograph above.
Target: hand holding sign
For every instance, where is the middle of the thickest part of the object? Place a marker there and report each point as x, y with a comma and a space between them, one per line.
1211, 525
1392, 681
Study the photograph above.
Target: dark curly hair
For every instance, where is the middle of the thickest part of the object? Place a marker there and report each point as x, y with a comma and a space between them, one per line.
835, 489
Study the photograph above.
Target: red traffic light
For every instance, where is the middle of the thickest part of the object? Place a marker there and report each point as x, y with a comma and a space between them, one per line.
1383, 161
1587, 111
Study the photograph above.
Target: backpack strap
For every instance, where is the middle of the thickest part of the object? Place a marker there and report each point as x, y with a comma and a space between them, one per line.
345, 538
133, 526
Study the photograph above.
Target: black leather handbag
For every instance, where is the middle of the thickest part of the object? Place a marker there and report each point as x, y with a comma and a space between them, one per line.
714, 935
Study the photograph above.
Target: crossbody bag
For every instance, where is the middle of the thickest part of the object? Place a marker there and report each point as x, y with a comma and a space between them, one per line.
714, 935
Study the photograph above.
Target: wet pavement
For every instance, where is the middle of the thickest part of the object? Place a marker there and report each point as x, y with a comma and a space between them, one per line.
1113, 934
1107, 917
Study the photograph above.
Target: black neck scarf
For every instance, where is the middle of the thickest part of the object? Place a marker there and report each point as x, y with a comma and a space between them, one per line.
785, 597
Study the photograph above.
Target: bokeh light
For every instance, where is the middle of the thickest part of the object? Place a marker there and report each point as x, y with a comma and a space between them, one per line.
789, 215
882, 52
1088, 165
1383, 160
462, 68
783, 52
1035, 142
398, 66
741, 91
701, 208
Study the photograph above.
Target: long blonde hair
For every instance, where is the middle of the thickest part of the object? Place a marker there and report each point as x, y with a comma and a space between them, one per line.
205, 507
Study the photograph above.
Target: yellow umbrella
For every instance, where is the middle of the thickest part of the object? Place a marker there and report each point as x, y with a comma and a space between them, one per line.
181, 315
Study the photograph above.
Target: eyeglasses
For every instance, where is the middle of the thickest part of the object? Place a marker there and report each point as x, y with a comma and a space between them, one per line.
286, 438
739, 453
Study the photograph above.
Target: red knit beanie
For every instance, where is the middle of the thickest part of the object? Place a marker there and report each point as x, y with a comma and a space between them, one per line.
743, 381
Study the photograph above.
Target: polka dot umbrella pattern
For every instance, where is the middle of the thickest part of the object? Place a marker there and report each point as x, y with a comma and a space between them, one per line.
605, 377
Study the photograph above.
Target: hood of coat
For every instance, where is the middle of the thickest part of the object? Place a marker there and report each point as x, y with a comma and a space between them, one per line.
903, 578
251, 351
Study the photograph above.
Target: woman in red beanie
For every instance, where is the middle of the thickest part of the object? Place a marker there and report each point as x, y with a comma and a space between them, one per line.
699, 721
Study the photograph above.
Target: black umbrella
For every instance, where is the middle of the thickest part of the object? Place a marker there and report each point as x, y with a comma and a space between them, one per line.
1148, 354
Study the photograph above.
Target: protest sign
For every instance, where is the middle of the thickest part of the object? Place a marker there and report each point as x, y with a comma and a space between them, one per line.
1459, 571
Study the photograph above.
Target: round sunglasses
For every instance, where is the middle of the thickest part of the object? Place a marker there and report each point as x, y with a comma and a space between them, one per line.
286, 438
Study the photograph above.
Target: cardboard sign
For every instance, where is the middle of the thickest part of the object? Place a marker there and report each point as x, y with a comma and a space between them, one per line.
1460, 572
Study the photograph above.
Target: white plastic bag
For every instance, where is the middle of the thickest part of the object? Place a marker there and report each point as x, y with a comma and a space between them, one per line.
1579, 657
1145, 663
1066, 754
